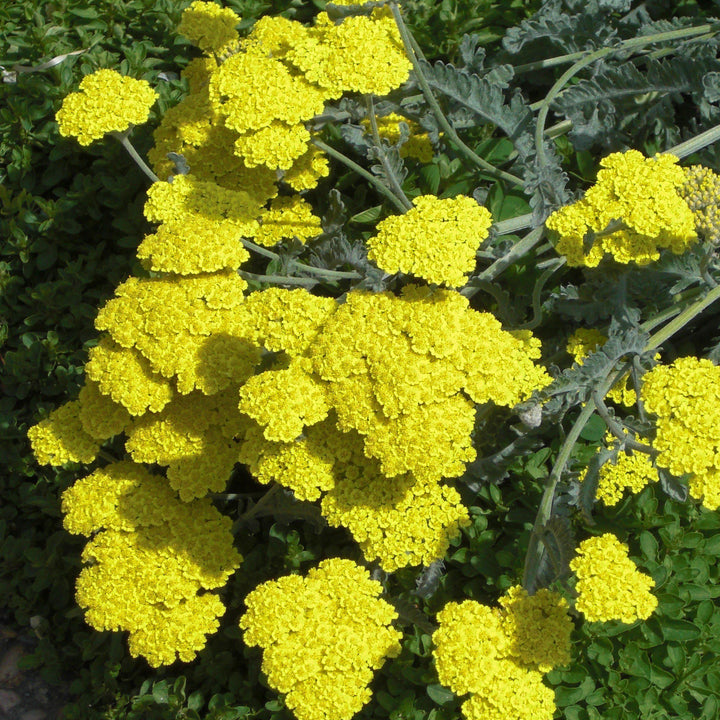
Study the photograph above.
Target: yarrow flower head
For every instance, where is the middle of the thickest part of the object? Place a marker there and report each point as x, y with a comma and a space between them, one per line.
61, 438
322, 636
107, 102
151, 556
701, 192
210, 27
640, 194
436, 240
685, 396
609, 585
630, 472
495, 654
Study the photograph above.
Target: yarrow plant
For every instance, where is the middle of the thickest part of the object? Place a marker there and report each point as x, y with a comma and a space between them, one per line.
376, 379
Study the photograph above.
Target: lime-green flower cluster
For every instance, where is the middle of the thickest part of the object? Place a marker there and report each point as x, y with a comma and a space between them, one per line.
586, 340
107, 102
499, 655
323, 636
150, 556
685, 396
609, 585
701, 192
633, 471
643, 195
436, 240
417, 146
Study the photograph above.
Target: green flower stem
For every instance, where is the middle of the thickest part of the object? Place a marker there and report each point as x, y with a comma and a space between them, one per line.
389, 174
491, 272
617, 429
535, 548
556, 89
571, 57
381, 187
672, 311
415, 55
320, 272
107, 456
122, 138
506, 227
682, 319
553, 266
278, 279
683, 149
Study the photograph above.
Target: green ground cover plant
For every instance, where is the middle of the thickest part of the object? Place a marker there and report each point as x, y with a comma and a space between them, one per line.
532, 457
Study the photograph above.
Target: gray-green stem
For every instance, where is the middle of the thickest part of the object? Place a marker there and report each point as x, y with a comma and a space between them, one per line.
389, 174
122, 138
517, 250
380, 186
415, 55
320, 272
616, 428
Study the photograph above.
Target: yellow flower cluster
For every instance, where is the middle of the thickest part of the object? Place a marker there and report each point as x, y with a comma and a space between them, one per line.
323, 636
499, 655
585, 341
641, 193
193, 437
609, 586
210, 27
101, 417
186, 327
436, 240
262, 92
701, 192
418, 145
685, 396
631, 472
150, 556
126, 376
107, 102
61, 437
287, 218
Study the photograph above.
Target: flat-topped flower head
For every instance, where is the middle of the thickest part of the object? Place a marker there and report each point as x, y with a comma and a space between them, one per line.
436, 240
107, 102
634, 210
610, 587
209, 26
685, 396
323, 636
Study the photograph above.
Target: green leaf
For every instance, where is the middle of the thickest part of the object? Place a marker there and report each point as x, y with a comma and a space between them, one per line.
371, 215
649, 545
160, 692
594, 429
440, 694
680, 630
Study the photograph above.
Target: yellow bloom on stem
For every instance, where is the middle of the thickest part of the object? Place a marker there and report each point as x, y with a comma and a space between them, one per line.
436, 240
107, 102
609, 586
